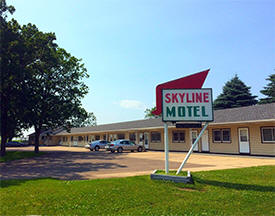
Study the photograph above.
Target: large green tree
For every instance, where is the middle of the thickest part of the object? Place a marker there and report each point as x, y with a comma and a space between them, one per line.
41, 84
269, 91
235, 94
12, 61
56, 86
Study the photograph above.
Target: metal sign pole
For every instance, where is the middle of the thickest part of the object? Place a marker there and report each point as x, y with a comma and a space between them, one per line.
191, 149
166, 147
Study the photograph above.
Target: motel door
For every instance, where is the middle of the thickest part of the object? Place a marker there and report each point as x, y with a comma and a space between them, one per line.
75, 141
193, 136
244, 140
204, 142
146, 140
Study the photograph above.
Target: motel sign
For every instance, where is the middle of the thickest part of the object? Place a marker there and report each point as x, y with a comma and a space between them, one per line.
187, 105
183, 100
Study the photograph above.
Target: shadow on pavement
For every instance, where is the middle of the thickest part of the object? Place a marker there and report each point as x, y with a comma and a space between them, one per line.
72, 165
61, 165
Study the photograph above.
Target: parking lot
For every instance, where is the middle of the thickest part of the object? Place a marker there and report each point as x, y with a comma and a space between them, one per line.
79, 163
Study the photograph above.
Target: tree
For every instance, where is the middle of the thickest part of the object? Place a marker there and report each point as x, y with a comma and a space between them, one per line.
235, 94
12, 51
41, 84
55, 88
149, 113
269, 91
84, 119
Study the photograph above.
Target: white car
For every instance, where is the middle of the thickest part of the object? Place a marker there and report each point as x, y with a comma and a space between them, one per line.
123, 145
98, 144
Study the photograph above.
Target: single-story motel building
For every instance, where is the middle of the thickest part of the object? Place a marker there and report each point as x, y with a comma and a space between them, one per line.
243, 130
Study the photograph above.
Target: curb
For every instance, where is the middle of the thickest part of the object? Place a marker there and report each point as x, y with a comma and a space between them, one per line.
178, 179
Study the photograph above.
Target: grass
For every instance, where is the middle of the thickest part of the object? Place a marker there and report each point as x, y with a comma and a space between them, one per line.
16, 155
171, 172
246, 191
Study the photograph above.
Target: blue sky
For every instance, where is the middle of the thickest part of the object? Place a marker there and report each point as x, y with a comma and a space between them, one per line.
130, 46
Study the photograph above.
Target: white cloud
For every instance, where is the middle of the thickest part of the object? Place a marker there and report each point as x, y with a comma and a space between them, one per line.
132, 104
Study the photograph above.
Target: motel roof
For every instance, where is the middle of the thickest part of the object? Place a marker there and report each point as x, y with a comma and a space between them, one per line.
255, 113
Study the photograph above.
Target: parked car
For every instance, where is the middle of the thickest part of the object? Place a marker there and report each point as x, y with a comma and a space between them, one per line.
14, 144
123, 145
98, 144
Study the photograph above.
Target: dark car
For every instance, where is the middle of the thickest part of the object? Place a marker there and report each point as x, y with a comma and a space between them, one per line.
14, 144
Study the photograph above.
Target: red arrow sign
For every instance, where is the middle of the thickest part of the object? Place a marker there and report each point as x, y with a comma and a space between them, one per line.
194, 81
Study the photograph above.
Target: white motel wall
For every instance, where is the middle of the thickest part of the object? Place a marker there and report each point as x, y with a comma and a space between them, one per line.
245, 130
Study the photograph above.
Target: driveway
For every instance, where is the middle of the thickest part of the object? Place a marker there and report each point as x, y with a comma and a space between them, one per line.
79, 163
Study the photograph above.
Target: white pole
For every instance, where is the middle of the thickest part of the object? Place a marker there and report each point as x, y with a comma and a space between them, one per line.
191, 149
166, 146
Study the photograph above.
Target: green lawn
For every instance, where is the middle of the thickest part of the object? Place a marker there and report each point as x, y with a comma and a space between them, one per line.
246, 191
16, 155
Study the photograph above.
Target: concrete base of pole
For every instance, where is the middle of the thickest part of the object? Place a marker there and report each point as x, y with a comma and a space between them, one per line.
178, 179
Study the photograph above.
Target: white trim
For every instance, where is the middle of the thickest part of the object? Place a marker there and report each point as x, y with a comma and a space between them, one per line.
262, 135
242, 122
129, 129
161, 127
244, 146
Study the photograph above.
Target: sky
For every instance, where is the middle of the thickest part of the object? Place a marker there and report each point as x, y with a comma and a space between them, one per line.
131, 46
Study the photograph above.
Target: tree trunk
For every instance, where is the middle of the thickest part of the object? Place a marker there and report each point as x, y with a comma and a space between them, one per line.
4, 122
3, 145
36, 142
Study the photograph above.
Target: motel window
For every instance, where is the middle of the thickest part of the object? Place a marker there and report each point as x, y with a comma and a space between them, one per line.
132, 137
268, 134
80, 138
87, 138
226, 135
115, 137
221, 135
155, 137
141, 137
121, 136
97, 137
72, 138
104, 137
93, 138
178, 136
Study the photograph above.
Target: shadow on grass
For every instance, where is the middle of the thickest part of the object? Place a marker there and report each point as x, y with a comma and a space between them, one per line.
17, 155
235, 186
17, 182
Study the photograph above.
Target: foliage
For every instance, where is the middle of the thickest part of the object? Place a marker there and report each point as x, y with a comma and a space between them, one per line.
235, 94
269, 91
5, 9
149, 113
84, 119
55, 88
12, 62
16, 155
41, 84
246, 191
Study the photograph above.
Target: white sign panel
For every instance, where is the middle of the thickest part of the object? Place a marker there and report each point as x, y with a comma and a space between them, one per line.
187, 105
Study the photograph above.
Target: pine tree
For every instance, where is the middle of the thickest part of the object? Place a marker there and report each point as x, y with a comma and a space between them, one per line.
269, 91
235, 94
